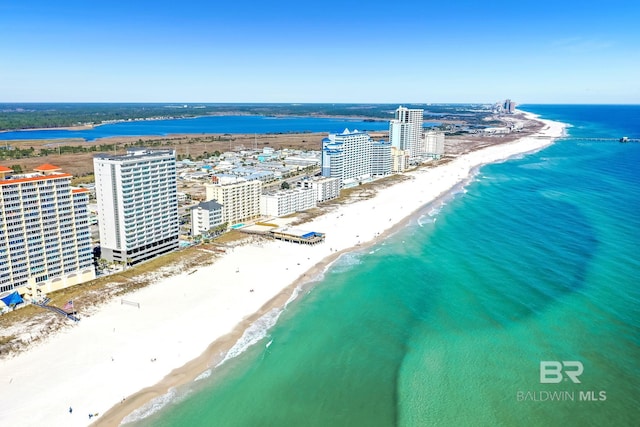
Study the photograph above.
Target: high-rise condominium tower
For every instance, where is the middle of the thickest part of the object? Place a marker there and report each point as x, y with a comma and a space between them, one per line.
137, 204
347, 156
45, 243
405, 131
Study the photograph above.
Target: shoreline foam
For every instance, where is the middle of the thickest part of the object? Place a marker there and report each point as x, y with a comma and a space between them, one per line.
191, 321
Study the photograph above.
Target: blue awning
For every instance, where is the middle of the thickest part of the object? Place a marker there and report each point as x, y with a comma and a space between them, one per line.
13, 298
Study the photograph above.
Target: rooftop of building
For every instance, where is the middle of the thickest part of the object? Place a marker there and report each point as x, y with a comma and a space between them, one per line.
316, 178
42, 172
286, 190
210, 205
47, 167
134, 153
346, 131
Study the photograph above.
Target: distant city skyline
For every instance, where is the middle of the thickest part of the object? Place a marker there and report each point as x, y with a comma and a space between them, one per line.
327, 52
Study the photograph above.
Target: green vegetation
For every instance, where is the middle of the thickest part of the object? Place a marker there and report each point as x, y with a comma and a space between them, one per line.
23, 153
30, 116
34, 115
17, 153
229, 237
79, 180
9, 152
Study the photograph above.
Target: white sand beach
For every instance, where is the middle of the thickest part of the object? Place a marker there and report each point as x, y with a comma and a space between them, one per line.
122, 349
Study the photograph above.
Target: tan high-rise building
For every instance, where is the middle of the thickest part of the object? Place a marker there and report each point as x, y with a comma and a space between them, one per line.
240, 200
45, 243
399, 160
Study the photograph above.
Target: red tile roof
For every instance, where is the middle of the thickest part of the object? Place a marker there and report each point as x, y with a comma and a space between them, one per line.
34, 178
5, 169
79, 190
47, 167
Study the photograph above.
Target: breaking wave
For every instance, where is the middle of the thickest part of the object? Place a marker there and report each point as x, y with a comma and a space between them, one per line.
254, 333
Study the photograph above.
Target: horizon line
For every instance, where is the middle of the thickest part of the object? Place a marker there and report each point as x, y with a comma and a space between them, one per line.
311, 103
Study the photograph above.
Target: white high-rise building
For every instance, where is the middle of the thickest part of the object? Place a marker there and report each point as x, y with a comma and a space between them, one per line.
405, 131
399, 135
347, 156
137, 204
45, 243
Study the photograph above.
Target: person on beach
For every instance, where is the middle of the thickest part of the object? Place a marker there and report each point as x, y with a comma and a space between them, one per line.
70, 409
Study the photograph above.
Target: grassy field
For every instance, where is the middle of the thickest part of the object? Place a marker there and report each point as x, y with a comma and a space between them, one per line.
194, 146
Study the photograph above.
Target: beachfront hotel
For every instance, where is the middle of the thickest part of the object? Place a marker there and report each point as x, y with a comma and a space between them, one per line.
434, 144
324, 188
347, 156
399, 160
285, 202
405, 131
45, 243
205, 216
240, 199
137, 204
380, 158
509, 106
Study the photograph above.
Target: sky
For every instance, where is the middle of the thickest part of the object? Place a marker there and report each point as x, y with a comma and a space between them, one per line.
413, 51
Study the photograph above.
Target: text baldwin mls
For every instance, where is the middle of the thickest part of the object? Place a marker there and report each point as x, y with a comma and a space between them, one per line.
554, 372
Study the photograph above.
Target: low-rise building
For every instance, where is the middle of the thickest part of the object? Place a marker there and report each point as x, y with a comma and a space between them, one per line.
324, 188
206, 216
181, 197
303, 160
285, 202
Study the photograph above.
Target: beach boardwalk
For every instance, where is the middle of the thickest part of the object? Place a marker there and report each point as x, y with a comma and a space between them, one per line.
298, 236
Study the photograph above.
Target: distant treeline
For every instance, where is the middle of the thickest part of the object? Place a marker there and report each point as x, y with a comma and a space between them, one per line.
51, 115
30, 116
10, 152
21, 153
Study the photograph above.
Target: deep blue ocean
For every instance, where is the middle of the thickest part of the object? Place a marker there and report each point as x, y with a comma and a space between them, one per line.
446, 322
206, 124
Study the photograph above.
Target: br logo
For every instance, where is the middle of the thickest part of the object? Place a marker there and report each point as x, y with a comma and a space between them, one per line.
551, 371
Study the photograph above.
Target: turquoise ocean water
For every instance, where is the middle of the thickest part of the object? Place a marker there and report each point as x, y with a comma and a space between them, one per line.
446, 322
